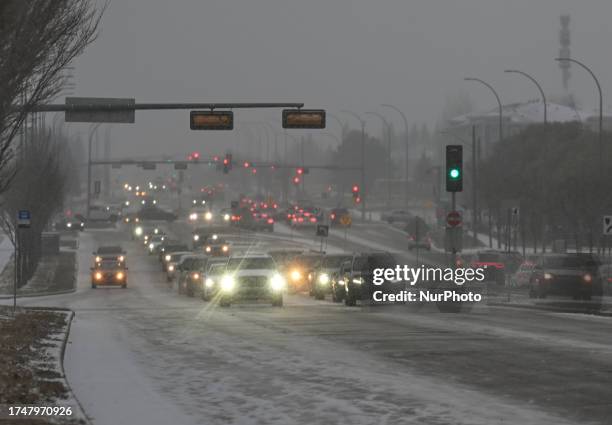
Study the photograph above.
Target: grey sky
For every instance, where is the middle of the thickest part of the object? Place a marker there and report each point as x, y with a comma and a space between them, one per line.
333, 54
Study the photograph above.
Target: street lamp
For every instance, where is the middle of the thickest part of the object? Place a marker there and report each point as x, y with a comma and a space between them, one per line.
600, 107
388, 167
363, 176
407, 159
516, 71
496, 97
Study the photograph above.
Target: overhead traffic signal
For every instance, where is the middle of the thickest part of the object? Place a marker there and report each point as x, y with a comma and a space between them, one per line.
356, 195
454, 168
296, 180
227, 163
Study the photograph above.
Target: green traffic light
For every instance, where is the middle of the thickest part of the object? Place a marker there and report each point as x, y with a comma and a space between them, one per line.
454, 173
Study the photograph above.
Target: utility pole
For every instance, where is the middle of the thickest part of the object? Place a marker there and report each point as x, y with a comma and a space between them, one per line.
474, 185
92, 131
363, 154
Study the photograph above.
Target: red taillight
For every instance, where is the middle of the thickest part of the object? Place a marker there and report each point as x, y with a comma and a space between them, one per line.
313, 219
333, 216
288, 215
301, 219
264, 215
270, 221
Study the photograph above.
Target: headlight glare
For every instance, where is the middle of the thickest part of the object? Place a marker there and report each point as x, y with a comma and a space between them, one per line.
228, 283
277, 282
323, 278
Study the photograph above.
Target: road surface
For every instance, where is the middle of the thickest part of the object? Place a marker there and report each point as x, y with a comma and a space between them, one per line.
145, 355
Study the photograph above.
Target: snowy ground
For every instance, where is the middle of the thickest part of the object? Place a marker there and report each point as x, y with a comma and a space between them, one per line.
145, 355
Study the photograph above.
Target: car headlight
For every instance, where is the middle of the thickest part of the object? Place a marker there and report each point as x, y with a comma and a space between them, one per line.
277, 283
208, 216
323, 278
196, 237
120, 276
98, 259
69, 225
195, 276
208, 249
587, 278
170, 268
209, 282
357, 281
193, 216
138, 231
228, 283
296, 275
215, 237
225, 248
548, 276
156, 230
167, 257
121, 258
98, 276
226, 217
151, 245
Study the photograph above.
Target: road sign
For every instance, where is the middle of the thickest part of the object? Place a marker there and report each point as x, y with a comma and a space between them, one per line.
24, 219
91, 114
346, 220
607, 225
322, 230
453, 219
97, 187
303, 118
180, 165
211, 120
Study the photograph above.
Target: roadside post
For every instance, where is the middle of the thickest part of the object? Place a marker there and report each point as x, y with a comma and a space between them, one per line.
23, 222
322, 232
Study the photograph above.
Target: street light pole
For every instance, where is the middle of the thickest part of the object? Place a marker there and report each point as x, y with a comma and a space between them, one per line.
600, 108
388, 167
407, 159
92, 131
363, 176
498, 102
516, 71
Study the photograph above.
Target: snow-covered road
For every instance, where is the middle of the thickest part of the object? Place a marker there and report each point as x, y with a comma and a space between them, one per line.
145, 355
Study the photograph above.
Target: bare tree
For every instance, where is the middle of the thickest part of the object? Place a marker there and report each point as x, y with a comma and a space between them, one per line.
38, 40
44, 170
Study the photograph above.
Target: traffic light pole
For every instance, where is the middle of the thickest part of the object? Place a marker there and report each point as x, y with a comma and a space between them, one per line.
453, 241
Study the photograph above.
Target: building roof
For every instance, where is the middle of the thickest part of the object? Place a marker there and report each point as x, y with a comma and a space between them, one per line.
531, 112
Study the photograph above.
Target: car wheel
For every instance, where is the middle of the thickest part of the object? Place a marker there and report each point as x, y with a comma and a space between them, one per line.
532, 293
189, 290
124, 286
94, 286
224, 303
350, 301
278, 302
319, 296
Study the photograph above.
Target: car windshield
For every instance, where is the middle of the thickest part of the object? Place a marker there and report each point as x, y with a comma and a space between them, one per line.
216, 269
333, 261
109, 250
108, 265
569, 262
381, 261
249, 263
194, 263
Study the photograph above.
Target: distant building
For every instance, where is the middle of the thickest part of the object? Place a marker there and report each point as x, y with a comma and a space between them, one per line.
515, 117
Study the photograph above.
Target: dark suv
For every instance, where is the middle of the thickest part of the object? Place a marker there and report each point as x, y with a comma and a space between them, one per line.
358, 278
575, 275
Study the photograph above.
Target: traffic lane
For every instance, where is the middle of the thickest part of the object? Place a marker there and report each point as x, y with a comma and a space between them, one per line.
489, 353
299, 364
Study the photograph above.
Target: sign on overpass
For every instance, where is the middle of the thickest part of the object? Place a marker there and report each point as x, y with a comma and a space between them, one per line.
100, 109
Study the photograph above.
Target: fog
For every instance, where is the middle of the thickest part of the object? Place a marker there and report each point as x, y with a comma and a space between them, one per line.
332, 54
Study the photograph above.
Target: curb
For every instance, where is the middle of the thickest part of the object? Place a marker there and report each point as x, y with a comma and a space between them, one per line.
63, 353
38, 294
